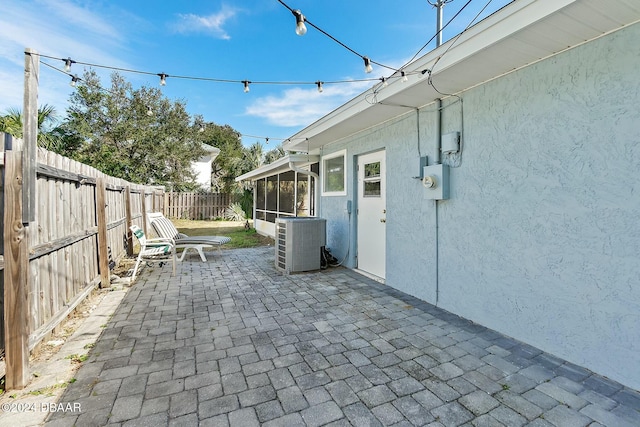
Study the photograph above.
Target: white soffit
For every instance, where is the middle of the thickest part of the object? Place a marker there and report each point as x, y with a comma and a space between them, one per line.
521, 33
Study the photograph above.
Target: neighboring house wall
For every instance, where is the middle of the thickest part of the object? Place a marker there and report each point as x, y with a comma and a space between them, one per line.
541, 235
202, 169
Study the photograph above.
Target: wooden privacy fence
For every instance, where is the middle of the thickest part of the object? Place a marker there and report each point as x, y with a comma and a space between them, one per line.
59, 239
196, 205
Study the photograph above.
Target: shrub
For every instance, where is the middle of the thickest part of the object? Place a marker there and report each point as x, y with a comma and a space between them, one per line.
234, 212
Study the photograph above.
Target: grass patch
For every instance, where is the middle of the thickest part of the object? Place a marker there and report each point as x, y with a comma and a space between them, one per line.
240, 237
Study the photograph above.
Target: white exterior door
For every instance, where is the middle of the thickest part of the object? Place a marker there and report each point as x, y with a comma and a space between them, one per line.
372, 214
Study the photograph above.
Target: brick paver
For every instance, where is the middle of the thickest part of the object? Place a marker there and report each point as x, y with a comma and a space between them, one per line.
231, 342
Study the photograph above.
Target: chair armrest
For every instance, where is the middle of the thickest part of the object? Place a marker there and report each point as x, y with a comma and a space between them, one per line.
159, 241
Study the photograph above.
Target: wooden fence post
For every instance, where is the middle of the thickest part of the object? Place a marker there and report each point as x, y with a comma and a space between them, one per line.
144, 209
101, 219
30, 134
165, 207
16, 277
127, 208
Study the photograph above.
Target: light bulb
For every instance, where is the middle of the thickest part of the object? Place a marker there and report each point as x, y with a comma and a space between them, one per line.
301, 29
74, 80
404, 76
67, 64
384, 82
320, 89
163, 79
367, 65
149, 112
246, 85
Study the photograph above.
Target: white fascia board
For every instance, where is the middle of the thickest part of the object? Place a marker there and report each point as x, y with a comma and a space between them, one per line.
279, 166
505, 22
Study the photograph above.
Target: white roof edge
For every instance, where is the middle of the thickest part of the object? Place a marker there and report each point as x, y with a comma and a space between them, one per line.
504, 22
210, 148
280, 165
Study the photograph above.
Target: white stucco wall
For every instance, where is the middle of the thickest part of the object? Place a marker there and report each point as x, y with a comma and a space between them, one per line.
541, 236
202, 169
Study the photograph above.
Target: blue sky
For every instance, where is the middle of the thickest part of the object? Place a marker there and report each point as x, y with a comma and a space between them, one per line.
227, 40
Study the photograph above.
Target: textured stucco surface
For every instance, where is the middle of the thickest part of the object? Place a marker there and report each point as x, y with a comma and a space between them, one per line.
541, 236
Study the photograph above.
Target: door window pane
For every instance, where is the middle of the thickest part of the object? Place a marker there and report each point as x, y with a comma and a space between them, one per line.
371, 183
371, 189
372, 170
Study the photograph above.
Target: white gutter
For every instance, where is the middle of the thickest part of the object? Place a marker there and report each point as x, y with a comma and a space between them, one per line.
493, 29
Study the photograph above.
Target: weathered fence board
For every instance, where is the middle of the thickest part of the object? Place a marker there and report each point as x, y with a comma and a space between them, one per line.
196, 205
81, 216
16, 327
57, 260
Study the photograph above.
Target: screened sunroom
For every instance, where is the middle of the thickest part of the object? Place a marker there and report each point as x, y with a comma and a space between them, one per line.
284, 188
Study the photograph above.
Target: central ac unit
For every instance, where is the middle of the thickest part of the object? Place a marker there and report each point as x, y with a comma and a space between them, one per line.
299, 243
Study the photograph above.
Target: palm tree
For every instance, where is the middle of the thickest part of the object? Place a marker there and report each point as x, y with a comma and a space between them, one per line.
11, 123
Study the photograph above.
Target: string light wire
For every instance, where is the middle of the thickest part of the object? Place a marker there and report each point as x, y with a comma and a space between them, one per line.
296, 13
462, 32
436, 34
402, 74
210, 79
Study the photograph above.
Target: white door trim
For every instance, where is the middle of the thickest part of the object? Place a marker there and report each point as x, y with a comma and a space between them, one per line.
371, 214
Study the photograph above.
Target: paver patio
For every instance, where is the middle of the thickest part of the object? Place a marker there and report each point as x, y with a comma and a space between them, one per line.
231, 342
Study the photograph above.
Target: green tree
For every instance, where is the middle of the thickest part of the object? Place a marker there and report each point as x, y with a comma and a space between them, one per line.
274, 154
252, 158
137, 135
48, 136
227, 139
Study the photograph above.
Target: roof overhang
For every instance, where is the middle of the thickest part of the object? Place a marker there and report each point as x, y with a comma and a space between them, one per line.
521, 33
283, 164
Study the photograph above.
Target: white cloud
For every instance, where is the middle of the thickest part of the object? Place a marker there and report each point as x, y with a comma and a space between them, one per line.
301, 107
213, 24
81, 19
57, 28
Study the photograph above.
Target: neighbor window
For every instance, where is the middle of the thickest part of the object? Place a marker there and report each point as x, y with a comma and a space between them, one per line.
334, 176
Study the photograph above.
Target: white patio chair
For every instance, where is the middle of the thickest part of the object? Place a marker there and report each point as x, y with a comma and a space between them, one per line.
165, 228
158, 250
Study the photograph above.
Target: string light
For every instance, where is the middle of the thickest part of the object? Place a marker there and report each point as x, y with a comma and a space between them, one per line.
320, 89
67, 64
300, 18
74, 80
208, 79
304, 19
301, 29
150, 111
367, 64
